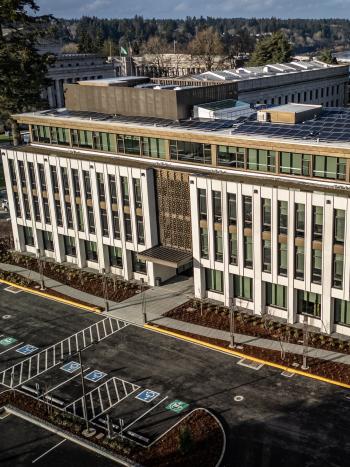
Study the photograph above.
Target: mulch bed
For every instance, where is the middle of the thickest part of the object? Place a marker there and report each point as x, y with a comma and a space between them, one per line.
92, 283
196, 441
327, 369
217, 317
20, 280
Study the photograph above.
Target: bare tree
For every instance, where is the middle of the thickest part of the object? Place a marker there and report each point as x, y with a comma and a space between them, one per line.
206, 45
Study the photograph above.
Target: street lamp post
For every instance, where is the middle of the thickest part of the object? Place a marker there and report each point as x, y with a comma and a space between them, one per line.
84, 392
305, 343
40, 267
232, 325
105, 291
143, 303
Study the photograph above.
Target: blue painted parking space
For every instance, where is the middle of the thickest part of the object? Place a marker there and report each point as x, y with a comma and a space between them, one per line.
95, 376
147, 395
27, 349
70, 367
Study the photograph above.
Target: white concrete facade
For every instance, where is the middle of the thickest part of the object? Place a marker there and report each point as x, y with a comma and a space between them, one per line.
257, 304
58, 232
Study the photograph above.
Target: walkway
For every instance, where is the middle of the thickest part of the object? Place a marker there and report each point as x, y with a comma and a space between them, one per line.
159, 300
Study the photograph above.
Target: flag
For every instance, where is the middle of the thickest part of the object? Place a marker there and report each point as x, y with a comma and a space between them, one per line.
123, 51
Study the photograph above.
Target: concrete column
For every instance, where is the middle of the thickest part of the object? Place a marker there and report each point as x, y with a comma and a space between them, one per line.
327, 265
257, 253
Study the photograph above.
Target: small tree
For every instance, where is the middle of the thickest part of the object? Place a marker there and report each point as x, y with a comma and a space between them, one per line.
22, 70
206, 45
271, 49
185, 440
326, 56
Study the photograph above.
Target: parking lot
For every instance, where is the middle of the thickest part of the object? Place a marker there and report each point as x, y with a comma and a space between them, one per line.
145, 382
23, 444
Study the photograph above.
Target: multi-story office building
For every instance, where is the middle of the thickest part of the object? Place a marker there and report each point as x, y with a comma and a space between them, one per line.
259, 209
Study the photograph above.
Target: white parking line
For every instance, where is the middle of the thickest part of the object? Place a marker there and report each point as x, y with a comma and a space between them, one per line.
49, 450
141, 416
64, 382
11, 348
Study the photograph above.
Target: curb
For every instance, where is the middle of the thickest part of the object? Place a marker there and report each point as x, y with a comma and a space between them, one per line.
236, 353
52, 297
70, 437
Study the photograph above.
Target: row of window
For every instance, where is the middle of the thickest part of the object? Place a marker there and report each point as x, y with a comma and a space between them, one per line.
186, 151
114, 253
77, 190
308, 303
282, 246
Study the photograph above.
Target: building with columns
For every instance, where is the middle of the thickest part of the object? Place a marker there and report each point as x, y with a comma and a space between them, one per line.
257, 210
70, 68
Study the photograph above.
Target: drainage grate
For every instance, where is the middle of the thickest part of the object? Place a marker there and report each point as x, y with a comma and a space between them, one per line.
287, 374
13, 289
250, 364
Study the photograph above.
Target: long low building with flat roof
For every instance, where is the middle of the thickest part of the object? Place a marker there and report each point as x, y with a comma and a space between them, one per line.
257, 209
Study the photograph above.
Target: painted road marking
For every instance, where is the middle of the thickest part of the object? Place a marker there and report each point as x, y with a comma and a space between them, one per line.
95, 376
64, 382
27, 349
144, 414
147, 395
70, 367
250, 364
177, 406
7, 341
49, 450
51, 356
11, 348
13, 289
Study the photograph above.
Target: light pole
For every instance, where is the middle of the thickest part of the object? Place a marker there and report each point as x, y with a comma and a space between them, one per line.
105, 291
305, 343
143, 303
40, 267
232, 309
84, 392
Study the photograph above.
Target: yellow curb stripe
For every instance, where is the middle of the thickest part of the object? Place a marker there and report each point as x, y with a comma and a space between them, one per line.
243, 355
52, 297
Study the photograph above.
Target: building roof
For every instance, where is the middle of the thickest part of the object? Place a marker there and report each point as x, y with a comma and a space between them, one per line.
166, 256
274, 69
225, 104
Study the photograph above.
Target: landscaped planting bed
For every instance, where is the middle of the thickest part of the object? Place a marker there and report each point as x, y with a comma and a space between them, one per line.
217, 317
196, 440
24, 282
93, 283
338, 372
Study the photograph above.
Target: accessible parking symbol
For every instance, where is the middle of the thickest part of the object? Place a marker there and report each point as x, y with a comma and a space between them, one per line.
70, 367
27, 349
95, 376
147, 395
177, 406
7, 341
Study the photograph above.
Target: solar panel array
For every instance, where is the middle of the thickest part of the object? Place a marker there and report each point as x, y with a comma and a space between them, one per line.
193, 124
332, 125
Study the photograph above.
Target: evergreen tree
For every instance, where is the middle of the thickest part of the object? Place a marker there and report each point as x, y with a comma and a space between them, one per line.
326, 56
271, 49
22, 70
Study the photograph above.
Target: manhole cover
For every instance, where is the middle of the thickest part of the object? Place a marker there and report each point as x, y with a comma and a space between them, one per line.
7, 317
238, 398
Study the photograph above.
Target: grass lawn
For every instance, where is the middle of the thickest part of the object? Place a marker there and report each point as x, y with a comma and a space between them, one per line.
5, 139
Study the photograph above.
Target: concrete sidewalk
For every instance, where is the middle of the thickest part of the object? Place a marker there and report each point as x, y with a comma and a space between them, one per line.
159, 300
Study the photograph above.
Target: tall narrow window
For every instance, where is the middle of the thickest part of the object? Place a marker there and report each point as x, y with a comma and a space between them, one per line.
203, 234
46, 211
42, 177
276, 295
91, 251
137, 193
282, 217
91, 219
316, 267
317, 222
214, 280
140, 230
32, 178
115, 256
248, 252
26, 206
101, 187
299, 262
308, 303
69, 246
232, 208
202, 201
128, 229
64, 175
247, 211
87, 184
266, 214
217, 212
243, 287
232, 238
266, 247
76, 183
104, 223
125, 191
218, 245
300, 220
282, 259
338, 267
339, 226
116, 225
113, 189
54, 178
